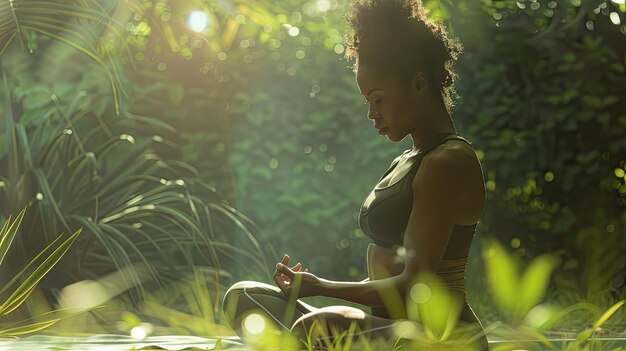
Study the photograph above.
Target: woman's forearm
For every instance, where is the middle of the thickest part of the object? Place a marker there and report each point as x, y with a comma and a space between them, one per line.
371, 293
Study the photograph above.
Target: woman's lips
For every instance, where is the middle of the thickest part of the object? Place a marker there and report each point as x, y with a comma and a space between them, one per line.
383, 131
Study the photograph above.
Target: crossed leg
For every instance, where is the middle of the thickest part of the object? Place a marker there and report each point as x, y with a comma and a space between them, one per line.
298, 317
329, 323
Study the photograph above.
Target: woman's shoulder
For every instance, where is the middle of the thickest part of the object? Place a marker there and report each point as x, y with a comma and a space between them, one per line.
450, 162
455, 148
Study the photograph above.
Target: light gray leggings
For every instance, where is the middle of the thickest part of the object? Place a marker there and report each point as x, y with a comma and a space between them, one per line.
246, 297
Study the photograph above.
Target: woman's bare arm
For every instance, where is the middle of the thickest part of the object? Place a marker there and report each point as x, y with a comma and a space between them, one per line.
438, 190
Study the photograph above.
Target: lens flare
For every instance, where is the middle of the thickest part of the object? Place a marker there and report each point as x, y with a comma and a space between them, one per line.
198, 21
141, 331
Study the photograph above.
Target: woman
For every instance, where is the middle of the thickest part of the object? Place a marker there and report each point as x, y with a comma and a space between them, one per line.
421, 216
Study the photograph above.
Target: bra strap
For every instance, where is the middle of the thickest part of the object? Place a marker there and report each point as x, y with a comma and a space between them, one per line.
440, 139
454, 136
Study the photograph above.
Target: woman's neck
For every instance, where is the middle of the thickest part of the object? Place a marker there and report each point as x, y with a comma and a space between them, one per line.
442, 123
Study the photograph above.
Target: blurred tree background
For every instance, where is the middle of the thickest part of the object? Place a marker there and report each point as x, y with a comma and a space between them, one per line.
223, 133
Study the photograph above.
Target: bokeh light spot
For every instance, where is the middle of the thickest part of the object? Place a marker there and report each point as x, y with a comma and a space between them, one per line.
614, 16
405, 328
322, 5
141, 331
420, 293
515, 243
198, 21
549, 176
254, 323
293, 31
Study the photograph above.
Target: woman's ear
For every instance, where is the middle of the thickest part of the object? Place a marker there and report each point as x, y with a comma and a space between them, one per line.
420, 83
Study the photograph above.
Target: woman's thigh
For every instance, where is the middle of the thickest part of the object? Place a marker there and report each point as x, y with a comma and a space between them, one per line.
248, 297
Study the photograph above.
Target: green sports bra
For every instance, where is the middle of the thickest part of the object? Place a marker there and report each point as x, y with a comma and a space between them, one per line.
384, 214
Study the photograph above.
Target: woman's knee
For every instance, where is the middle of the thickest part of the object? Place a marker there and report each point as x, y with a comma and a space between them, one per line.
236, 299
231, 299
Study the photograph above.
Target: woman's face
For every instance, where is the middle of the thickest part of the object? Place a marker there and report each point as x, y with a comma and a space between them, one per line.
393, 106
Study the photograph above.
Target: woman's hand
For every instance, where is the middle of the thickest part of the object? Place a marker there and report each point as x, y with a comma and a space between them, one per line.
295, 268
292, 280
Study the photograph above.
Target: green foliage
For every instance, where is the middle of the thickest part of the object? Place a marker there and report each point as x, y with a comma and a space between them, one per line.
109, 175
270, 118
518, 298
516, 292
304, 172
541, 100
305, 155
15, 292
67, 22
558, 112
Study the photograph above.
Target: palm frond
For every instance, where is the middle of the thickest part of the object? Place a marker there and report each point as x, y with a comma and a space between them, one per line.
54, 19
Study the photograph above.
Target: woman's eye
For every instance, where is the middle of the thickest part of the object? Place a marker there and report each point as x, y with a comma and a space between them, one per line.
375, 101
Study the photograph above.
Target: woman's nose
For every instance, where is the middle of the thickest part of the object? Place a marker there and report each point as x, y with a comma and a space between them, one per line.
372, 114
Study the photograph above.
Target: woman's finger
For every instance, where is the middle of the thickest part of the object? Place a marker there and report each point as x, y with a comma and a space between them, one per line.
296, 267
281, 281
285, 270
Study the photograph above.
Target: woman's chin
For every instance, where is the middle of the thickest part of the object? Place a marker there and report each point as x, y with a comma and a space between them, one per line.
392, 137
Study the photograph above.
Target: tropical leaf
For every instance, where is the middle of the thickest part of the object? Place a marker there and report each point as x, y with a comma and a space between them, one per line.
54, 19
516, 293
7, 233
134, 205
39, 266
23, 283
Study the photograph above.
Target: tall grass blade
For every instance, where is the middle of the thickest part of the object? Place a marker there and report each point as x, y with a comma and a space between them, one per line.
26, 288
7, 234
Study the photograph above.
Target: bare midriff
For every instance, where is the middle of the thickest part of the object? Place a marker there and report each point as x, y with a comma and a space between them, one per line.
385, 262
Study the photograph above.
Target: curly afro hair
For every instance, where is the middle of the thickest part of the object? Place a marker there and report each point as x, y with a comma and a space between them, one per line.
396, 38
